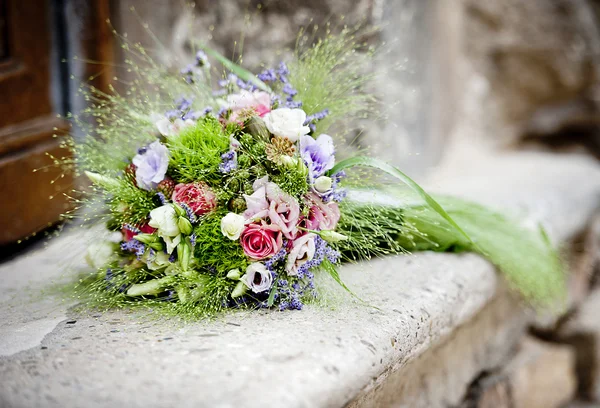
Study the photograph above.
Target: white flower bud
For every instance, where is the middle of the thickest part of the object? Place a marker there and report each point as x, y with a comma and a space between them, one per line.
287, 160
332, 236
151, 287
232, 226
239, 290
323, 184
185, 226
234, 274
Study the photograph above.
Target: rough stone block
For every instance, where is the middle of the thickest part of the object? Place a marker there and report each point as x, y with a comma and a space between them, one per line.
540, 375
554, 63
582, 331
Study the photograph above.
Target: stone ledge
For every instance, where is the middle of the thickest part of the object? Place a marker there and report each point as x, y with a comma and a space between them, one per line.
431, 306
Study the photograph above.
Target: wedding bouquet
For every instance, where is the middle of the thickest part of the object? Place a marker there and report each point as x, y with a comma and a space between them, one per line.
237, 197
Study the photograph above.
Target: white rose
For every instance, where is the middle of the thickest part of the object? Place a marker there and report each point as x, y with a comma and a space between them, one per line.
98, 254
288, 123
257, 277
232, 225
165, 220
302, 251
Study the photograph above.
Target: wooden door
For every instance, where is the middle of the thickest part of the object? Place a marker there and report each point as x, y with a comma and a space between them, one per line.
31, 187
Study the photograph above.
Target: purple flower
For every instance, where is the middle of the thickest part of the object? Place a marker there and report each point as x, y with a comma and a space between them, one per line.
317, 154
202, 59
228, 162
162, 198
288, 89
315, 117
184, 104
268, 75
293, 104
283, 72
151, 166
134, 246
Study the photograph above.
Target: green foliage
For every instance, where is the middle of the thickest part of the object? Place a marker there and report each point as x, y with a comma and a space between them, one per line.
215, 250
332, 74
291, 180
371, 230
128, 204
400, 176
114, 127
191, 296
525, 257
253, 149
209, 299
196, 152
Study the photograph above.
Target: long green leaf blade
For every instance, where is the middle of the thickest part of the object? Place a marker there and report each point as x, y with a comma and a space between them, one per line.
393, 171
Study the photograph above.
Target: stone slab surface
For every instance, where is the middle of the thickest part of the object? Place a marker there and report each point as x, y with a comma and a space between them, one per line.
440, 375
322, 356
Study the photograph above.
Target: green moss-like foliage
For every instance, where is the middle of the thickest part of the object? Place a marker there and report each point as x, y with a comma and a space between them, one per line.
196, 152
215, 250
188, 297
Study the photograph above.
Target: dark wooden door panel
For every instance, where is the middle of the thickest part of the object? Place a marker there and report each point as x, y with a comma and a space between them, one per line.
32, 190
25, 68
31, 186
3, 31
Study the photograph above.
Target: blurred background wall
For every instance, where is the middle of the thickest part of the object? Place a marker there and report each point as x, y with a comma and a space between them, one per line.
456, 77
482, 73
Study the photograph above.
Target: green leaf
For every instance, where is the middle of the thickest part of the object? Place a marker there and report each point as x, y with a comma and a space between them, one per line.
271, 299
393, 171
236, 69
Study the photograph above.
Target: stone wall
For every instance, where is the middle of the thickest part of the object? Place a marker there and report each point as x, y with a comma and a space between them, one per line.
452, 72
533, 58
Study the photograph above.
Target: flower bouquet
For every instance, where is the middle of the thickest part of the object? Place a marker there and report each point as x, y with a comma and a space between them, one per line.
237, 197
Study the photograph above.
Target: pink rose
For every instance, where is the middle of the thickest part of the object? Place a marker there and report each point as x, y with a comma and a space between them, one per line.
321, 216
258, 101
260, 241
284, 210
303, 250
128, 234
197, 196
